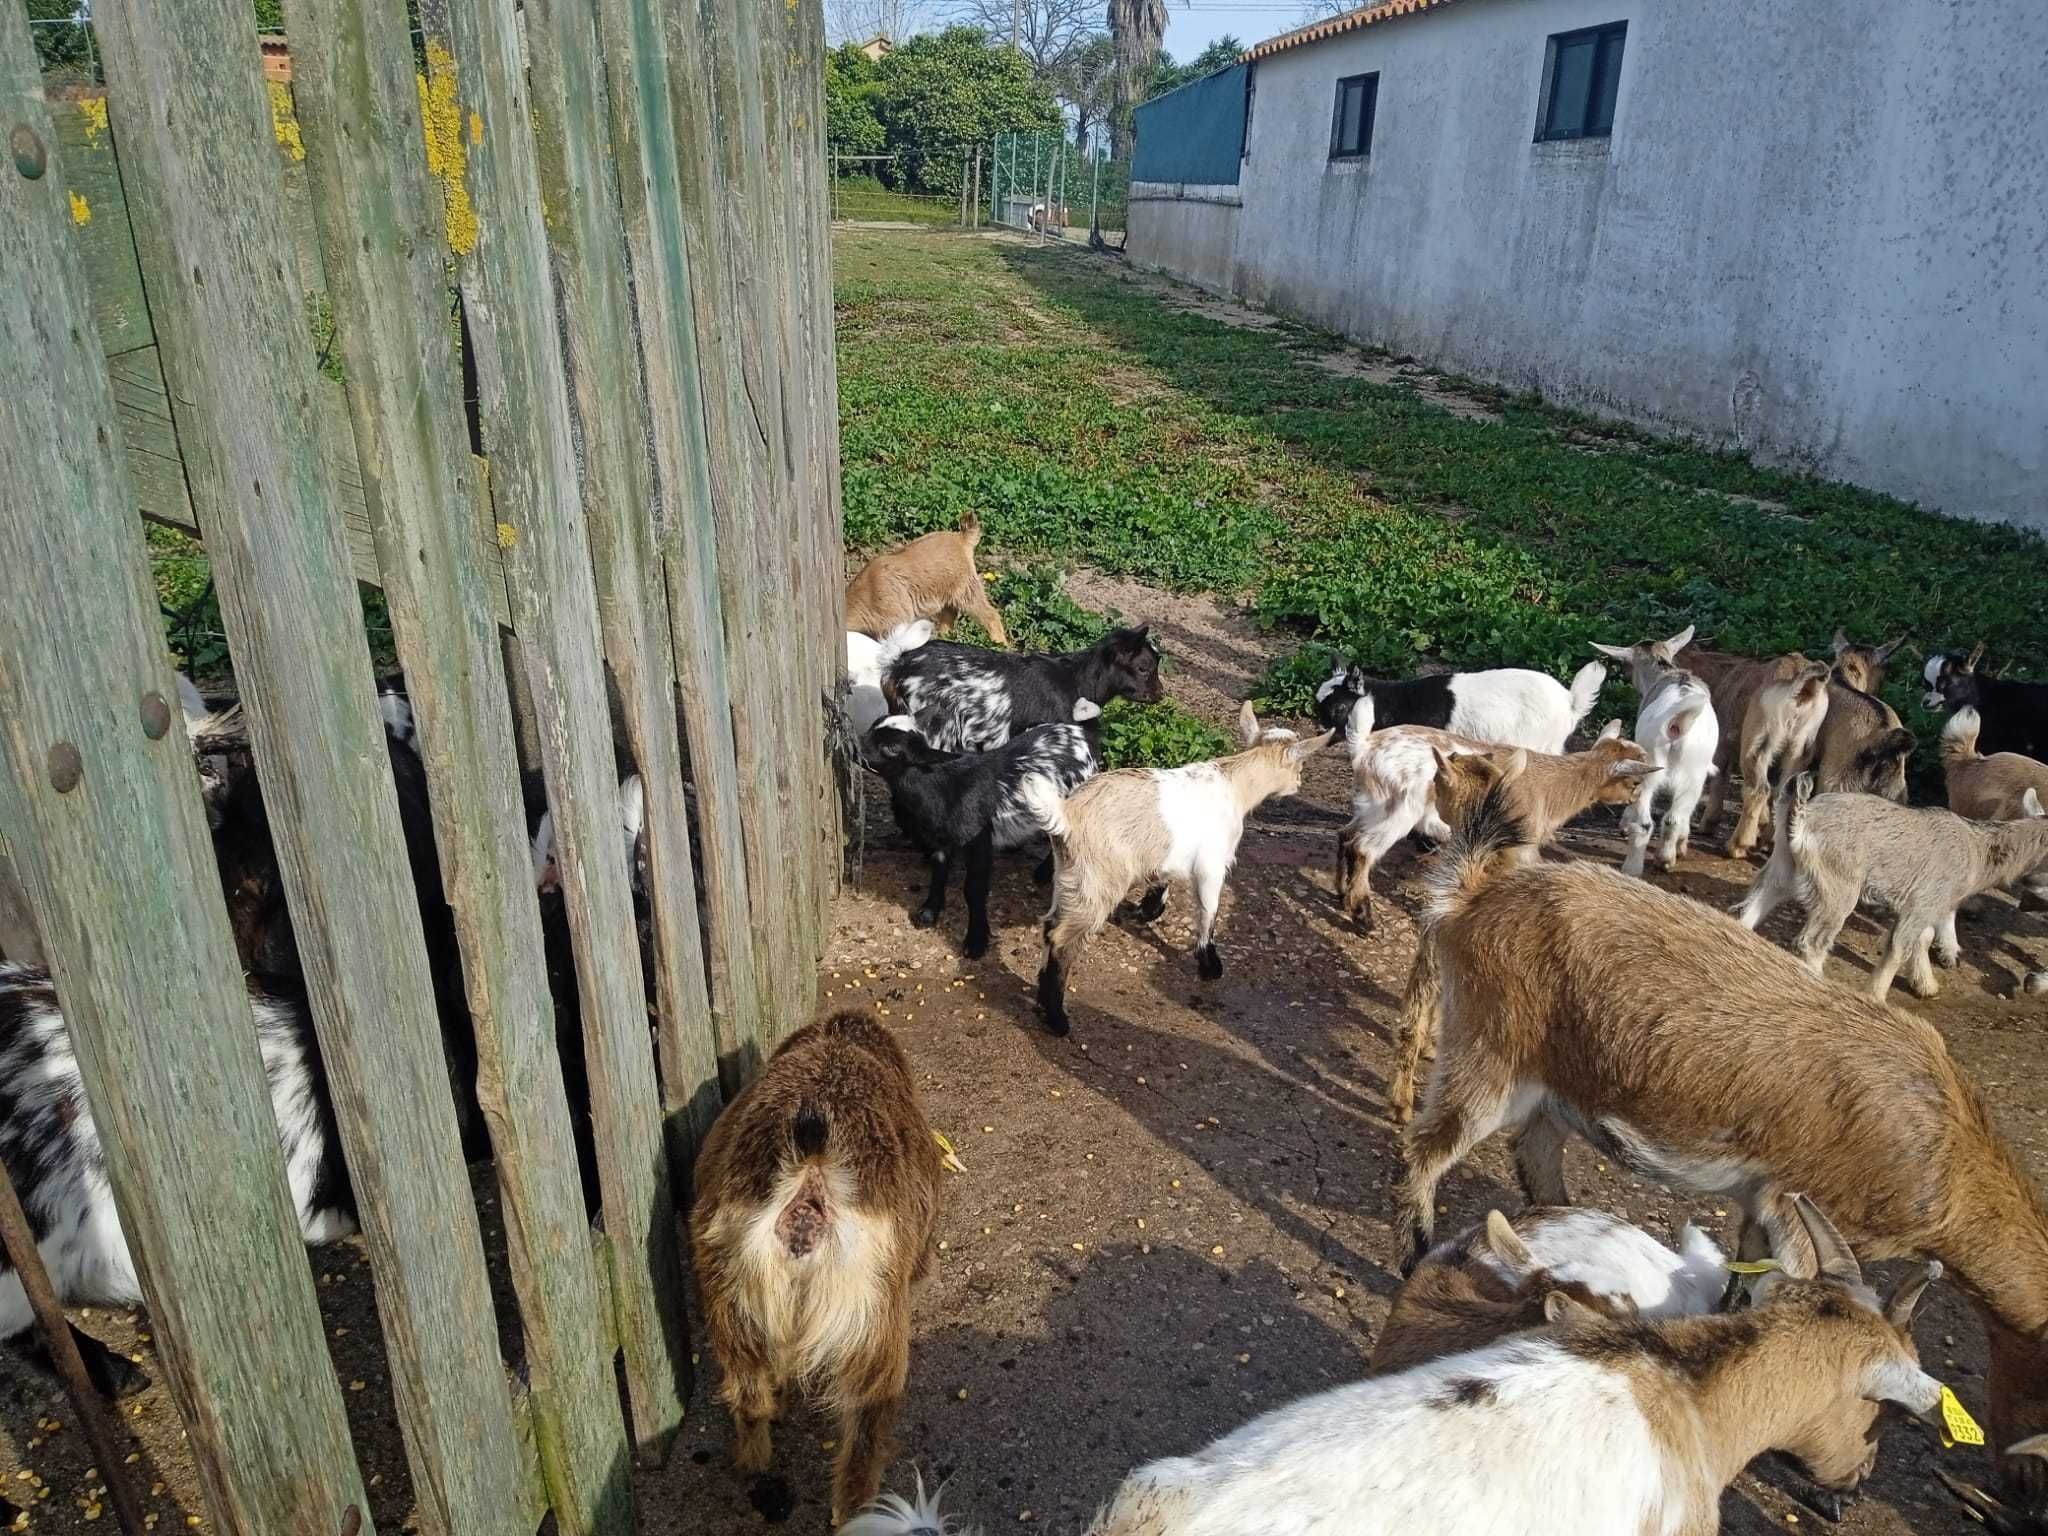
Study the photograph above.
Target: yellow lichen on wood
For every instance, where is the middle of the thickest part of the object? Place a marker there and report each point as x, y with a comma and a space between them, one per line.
476, 130
284, 122
447, 156
81, 210
94, 110
507, 535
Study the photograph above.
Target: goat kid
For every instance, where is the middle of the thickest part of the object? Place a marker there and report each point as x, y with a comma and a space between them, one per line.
1572, 999
1782, 722
1151, 826
1509, 707
1986, 788
952, 803
54, 1156
2014, 714
967, 699
1496, 1279
934, 577
866, 660
1677, 730
1919, 863
817, 1198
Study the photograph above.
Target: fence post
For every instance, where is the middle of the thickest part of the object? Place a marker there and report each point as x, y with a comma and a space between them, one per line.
1095, 193
963, 190
159, 1020
381, 233
1035, 169
835, 184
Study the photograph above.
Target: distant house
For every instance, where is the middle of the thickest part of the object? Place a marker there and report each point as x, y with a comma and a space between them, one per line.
876, 48
1811, 231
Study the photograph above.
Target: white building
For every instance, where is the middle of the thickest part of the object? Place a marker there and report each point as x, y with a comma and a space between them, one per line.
1817, 231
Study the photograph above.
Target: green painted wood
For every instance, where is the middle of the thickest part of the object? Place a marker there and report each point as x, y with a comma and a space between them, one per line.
527, 414
19, 941
573, 134
120, 872
191, 113
635, 52
380, 216
101, 240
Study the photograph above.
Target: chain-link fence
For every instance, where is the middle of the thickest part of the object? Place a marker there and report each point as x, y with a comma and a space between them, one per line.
1045, 184
65, 46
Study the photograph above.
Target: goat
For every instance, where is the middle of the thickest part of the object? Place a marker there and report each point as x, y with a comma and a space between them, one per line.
1510, 707
1986, 788
1919, 863
1496, 1278
1572, 999
967, 699
1153, 825
929, 578
53, 1153
949, 803
817, 1199
2014, 714
1779, 728
866, 660
1676, 728
1394, 777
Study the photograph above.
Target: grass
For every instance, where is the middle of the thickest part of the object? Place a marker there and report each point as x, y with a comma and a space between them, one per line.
1085, 415
865, 198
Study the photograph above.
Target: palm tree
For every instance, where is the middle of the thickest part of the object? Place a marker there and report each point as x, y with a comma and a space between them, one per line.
1137, 27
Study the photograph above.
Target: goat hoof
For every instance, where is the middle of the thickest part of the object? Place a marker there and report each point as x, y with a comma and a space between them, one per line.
1057, 1024
976, 946
772, 1499
1209, 964
117, 1378
1042, 871
1418, 1245
1947, 960
923, 917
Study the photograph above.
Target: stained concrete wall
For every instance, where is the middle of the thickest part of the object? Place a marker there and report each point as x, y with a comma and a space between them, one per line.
1188, 231
1819, 232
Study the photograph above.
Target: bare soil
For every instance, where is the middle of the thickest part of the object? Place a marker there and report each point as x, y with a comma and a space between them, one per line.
1178, 1217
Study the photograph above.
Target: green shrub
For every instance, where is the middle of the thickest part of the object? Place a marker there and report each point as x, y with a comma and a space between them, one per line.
1162, 735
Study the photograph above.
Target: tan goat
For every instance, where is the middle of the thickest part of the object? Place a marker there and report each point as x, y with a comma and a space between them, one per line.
1990, 788
929, 578
1149, 826
1572, 999
1779, 728
817, 1196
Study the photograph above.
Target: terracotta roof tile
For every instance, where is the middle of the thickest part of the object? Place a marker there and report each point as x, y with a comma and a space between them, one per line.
1350, 21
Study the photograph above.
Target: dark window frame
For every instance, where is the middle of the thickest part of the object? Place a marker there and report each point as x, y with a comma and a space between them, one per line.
1609, 43
1369, 86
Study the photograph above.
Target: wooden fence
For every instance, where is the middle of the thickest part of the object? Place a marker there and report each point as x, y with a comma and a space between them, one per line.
630, 196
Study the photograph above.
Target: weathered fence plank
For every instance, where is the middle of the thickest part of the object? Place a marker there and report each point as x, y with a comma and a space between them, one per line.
635, 47
380, 228
192, 116
476, 100
119, 867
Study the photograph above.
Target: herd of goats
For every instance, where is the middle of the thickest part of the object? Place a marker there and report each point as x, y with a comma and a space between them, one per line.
1557, 1370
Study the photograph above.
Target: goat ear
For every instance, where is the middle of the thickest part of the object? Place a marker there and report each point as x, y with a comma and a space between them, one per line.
632, 807
1506, 1244
2030, 803
1633, 768
1679, 641
1833, 1258
1905, 1296
1568, 1312
1611, 731
1516, 765
1976, 655
1681, 722
1248, 724
1884, 652
1297, 750
1840, 643
1618, 652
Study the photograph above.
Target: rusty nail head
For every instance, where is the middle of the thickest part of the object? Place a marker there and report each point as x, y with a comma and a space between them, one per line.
351, 1521
65, 767
156, 716
30, 158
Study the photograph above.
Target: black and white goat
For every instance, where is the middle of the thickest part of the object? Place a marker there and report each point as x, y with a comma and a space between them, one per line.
2014, 715
53, 1153
965, 698
1508, 707
972, 803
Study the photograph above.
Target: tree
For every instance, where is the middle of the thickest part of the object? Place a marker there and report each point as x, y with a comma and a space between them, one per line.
1085, 79
853, 95
1136, 27
944, 95
1046, 30
856, 21
1169, 76
59, 33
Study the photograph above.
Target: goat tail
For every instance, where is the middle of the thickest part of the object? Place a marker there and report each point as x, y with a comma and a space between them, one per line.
1888, 747
894, 1515
904, 637
970, 527
1959, 736
1489, 844
1813, 684
1358, 729
1586, 685
1790, 813
810, 1128
1042, 799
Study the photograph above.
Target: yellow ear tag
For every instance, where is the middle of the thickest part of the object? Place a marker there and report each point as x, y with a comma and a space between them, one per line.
1957, 1427
951, 1159
1757, 1267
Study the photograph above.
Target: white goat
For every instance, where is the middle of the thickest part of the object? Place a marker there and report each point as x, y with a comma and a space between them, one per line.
1506, 707
866, 660
1676, 727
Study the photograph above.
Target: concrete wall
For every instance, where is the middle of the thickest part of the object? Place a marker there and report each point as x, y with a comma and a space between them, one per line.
1188, 231
1819, 232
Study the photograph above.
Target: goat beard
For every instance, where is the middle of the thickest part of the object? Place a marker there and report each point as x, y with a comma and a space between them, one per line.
807, 1218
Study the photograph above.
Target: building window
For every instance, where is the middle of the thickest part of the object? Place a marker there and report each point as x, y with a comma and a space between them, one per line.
1581, 74
1351, 123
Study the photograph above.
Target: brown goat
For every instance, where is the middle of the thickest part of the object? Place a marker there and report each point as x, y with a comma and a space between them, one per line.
1784, 719
817, 1197
929, 578
1683, 1048
1990, 788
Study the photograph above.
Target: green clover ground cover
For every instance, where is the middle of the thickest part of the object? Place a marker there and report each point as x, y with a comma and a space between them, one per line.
1086, 415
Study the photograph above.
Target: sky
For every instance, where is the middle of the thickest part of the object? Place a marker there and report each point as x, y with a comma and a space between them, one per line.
1192, 27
